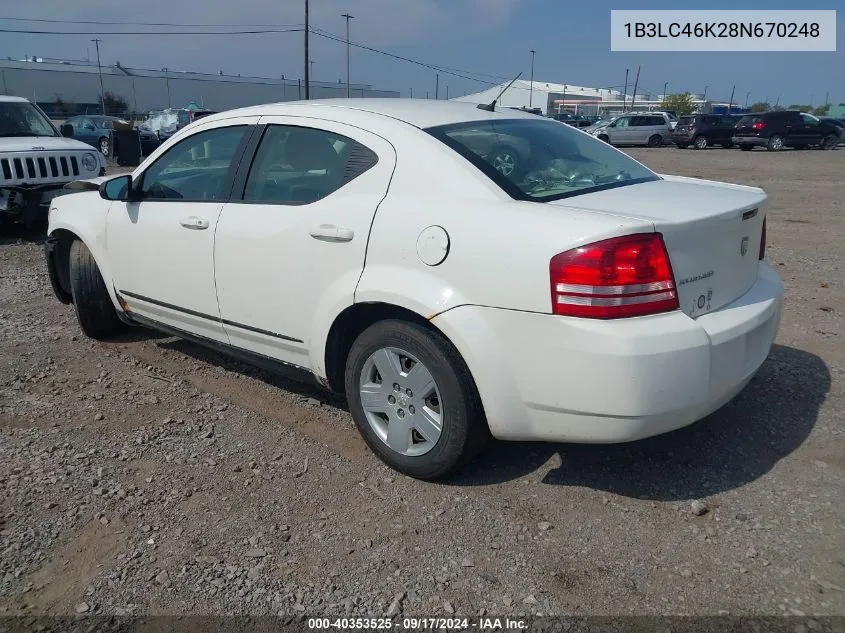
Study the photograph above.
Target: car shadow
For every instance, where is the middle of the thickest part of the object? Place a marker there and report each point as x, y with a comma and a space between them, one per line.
730, 448
18, 234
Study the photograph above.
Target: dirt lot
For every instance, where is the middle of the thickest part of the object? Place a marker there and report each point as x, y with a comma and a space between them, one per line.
148, 476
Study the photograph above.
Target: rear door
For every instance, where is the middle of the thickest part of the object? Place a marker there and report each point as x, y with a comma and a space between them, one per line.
811, 131
291, 243
639, 130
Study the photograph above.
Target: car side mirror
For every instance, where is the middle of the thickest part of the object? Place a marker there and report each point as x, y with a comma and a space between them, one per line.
66, 129
119, 188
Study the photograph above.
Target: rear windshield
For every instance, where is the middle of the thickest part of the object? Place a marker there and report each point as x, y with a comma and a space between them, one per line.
534, 159
749, 120
686, 120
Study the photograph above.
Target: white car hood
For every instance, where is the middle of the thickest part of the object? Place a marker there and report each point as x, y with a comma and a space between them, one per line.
41, 143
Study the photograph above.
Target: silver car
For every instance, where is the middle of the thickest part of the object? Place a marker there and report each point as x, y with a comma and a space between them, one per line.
648, 128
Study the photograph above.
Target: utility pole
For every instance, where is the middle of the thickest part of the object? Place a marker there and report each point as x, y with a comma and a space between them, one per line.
665, 86
531, 92
100, 72
625, 95
437, 86
826, 98
348, 17
447, 92
307, 69
778, 101
747, 94
731, 102
167, 81
636, 83
704, 96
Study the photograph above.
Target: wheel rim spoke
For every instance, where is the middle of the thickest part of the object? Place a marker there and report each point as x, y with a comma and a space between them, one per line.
373, 398
387, 363
399, 435
427, 424
420, 381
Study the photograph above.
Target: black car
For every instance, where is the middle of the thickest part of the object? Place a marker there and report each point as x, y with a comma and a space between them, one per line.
786, 128
703, 130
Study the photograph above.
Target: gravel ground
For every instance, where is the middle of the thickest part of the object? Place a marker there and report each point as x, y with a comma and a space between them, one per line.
149, 476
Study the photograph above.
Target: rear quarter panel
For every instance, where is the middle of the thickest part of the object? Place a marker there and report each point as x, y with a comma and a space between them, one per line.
499, 248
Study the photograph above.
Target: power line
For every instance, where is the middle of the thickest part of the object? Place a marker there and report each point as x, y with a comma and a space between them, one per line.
51, 21
329, 36
238, 32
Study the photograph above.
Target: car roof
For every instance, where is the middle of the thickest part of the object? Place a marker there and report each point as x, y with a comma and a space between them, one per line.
421, 113
11, 99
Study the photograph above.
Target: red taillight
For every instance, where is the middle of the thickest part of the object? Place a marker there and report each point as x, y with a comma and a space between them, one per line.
758, 126
620, 277
763, 241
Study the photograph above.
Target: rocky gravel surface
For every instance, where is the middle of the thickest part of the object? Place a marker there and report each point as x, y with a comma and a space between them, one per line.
149, 476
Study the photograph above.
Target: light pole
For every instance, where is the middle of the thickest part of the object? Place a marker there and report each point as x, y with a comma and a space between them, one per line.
747, 94
665, 87
437, 86
625, 95
531, 91
704, 96
167, 81
100, 72
307, 69
348, 17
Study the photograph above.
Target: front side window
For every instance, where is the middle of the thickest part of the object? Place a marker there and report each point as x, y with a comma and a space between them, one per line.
194, 169
809, 119
552, 161
299, 165
621, 122
20, 118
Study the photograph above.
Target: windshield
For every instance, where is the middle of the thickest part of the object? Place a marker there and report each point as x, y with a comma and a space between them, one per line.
20, 118
541, 160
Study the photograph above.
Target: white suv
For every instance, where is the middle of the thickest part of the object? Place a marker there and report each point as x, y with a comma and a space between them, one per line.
36, 162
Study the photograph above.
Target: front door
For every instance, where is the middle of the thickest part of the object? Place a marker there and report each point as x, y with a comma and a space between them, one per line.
161, 242
291, 243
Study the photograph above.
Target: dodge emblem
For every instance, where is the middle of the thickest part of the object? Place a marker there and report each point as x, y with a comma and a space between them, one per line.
743, 246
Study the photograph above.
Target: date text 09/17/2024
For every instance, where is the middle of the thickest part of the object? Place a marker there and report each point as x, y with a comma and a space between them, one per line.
412, 624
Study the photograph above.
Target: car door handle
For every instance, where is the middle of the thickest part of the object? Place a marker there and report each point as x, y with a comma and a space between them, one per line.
332, 233
194, 222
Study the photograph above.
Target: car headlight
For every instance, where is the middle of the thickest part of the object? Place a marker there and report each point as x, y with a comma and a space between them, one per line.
89, 162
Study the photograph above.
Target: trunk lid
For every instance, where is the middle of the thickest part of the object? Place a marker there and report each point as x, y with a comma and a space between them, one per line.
712, 232
744, 126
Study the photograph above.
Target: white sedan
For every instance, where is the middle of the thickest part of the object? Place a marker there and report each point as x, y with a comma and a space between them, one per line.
372, 246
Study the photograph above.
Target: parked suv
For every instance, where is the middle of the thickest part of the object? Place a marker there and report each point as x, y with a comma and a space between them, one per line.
787, 128
703, 130
36, 162
636, 129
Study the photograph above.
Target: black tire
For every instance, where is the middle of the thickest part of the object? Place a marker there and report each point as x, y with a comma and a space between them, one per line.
464, 428
604, 137
831, 141
94, 310
727, 145
655, 140
746, 147
775, 143
700, 142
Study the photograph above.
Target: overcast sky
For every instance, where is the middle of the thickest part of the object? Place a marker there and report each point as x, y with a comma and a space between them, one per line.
483, 36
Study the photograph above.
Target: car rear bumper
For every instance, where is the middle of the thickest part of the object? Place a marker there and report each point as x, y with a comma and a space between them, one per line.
551, 378
749, 140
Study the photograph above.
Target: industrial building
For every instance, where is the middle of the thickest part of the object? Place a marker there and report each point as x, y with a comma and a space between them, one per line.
554, 98
77, 85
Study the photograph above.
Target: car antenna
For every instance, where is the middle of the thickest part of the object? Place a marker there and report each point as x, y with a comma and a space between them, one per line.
491, 107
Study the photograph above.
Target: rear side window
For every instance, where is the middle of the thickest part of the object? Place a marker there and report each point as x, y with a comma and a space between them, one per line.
540, 160
656, 120
299, 165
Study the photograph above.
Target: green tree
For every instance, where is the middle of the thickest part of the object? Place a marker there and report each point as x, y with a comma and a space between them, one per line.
760, 106
60, 107
115, 104
802, 107
681, 103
